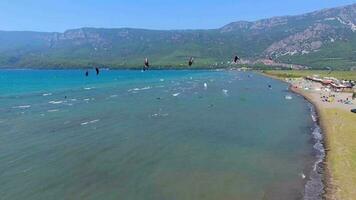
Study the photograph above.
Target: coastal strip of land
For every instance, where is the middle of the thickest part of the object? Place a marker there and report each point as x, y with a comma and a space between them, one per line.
338, 124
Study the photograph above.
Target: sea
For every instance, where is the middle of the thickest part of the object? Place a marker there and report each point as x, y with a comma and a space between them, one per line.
155, 135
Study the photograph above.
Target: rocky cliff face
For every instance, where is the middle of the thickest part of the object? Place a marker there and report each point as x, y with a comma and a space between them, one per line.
326, 26
300, 34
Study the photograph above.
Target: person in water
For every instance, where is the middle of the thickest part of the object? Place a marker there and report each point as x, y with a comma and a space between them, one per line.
236, 59
87, 73
97, 70
146, 65
191, 61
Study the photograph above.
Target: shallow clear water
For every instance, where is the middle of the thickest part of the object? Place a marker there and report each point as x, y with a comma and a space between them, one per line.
154, 135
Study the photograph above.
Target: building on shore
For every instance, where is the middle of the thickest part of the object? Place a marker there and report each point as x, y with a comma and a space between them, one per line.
334, 84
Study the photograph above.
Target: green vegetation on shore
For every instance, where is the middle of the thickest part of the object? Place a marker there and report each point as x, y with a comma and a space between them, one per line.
345, 75
341, 141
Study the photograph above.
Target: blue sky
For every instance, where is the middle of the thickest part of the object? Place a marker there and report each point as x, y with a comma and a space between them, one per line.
59, 15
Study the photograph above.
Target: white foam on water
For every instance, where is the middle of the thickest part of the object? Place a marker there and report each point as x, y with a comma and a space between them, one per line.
88, 88
55, 102
161, 79
160, 115
139, 89
176, 94
314, 118
53, 110
86, 99
47, 94
288, 97
73, 99
314, 187
225, 92
89, 122
27, 170
205, 85
302, 175
113, 96
22, 107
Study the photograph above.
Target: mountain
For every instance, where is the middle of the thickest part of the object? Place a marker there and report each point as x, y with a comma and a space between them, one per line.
320, 39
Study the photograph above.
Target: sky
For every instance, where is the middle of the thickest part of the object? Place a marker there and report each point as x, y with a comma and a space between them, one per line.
60, 15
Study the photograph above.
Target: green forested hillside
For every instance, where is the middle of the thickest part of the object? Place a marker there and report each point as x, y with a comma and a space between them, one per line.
320, 39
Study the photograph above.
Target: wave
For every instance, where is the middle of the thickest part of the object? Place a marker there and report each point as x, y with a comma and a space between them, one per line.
47, 94
55, 102
22, 107
314, 187
89, 122
176, 94
160, 115
53, 110
139, 89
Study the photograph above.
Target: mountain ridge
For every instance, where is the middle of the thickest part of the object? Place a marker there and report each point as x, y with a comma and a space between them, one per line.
310, 39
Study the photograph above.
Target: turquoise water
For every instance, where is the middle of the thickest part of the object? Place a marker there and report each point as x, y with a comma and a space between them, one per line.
155, 135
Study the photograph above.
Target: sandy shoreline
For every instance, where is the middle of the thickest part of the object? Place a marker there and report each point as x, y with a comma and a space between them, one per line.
335, 120
327, 181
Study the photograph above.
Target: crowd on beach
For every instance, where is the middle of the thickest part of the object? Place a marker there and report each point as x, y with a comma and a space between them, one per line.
324, 93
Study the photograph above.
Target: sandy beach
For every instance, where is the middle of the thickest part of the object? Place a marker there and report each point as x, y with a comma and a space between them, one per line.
339, 128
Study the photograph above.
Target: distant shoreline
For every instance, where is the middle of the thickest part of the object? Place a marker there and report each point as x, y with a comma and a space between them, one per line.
321, 122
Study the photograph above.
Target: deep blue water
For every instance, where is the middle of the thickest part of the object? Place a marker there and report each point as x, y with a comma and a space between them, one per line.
151, 135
